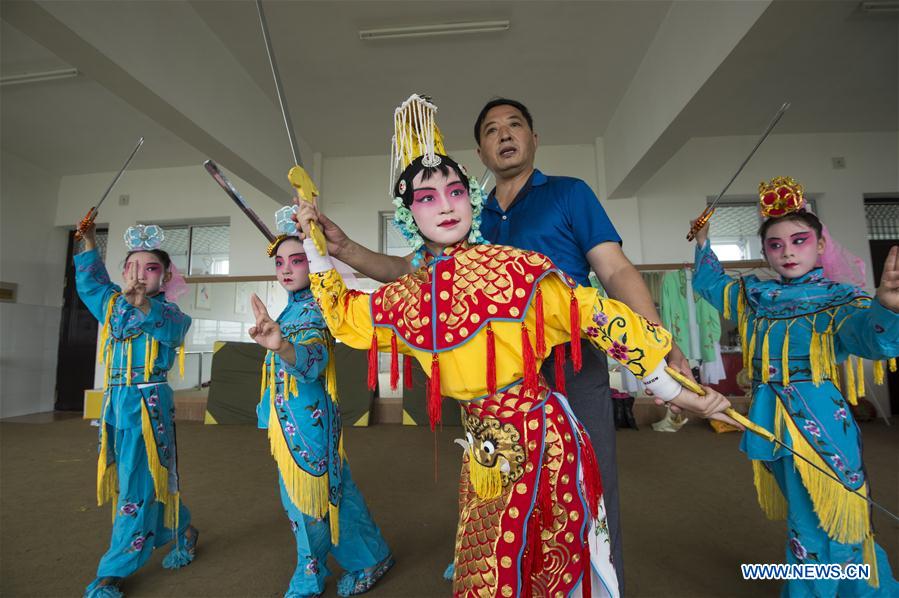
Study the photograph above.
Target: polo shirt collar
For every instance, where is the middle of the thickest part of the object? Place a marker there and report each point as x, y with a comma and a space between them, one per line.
536, 179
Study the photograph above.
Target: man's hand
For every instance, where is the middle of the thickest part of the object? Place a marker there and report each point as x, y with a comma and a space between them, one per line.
888, 291
135, 292
711, 406
336, 239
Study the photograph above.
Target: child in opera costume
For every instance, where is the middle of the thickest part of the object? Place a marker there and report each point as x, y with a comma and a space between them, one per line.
795, 331
481, 319
142, 330
299, 408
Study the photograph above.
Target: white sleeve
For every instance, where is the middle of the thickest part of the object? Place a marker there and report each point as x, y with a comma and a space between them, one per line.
661, 383
317, 262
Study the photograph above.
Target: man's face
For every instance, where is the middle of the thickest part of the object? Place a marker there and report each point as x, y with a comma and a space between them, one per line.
508, 144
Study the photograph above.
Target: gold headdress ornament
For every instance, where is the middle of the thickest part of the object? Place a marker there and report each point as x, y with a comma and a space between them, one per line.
415, 134
781, 196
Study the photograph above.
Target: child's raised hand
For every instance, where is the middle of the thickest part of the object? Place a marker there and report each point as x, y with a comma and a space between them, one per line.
702, 234
888, 291
266, 332
88, 232
135, 292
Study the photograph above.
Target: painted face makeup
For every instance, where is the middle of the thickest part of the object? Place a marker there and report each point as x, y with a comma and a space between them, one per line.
150, 270
792, 248
441, 207
291, 266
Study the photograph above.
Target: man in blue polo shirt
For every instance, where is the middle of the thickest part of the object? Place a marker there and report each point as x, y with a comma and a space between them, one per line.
561, 218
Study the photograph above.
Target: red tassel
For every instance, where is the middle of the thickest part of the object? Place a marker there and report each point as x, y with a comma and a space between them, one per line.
587, 581
541, 518
559, 354
434, 397
539, 331
574, 312
592, 479
394, 363
529, 363
373, 362
407, 371
491, 361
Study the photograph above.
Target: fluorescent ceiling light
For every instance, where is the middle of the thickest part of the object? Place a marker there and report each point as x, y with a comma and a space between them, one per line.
434, 30
873, 6
38, 77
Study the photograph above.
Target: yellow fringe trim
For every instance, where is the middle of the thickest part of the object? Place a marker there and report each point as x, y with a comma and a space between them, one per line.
878, 373
331, 371
308, 493
892, 363
727, 307
107, 477
128, 367
785, 355
861, 377
766, 360
150, 355
262, 377
851, 395
487, 481
104, 331
844, 516
751, 353
869, 557
181, 352
816, 358
159, 473
771, 499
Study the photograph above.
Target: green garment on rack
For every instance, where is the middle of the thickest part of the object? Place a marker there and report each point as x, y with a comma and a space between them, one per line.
676, 317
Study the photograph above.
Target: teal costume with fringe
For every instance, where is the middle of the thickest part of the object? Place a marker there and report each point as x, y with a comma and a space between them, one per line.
137, 468
299, 408
794, 333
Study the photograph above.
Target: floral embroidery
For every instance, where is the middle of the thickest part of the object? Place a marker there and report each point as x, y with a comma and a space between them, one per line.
600, 318
839, 414
618, 352
812, 428
129, 509
311, 566
290, 428
137, 544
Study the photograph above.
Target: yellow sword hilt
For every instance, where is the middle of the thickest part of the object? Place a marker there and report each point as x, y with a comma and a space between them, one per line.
730, 412
700, 222
307, 191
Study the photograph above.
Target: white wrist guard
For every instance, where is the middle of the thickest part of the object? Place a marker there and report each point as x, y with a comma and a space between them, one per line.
317, 262
661, 384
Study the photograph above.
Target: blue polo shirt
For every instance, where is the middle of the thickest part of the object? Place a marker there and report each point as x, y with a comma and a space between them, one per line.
557, 216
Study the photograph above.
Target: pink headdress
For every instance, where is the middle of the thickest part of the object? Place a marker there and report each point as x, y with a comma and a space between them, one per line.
176, 286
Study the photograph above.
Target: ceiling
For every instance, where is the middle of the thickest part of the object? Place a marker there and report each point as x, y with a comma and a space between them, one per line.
570, 62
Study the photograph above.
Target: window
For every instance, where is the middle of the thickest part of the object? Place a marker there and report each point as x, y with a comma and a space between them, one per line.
734, 230
199, 249
883, 219
392, 240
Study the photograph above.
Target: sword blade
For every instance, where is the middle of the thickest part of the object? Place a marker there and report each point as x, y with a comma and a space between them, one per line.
777, 116
213, 169
279, 88
140, 142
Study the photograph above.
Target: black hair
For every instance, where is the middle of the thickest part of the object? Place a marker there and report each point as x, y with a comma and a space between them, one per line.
281, 241
411, 171
162, 255
800, 215
500, 102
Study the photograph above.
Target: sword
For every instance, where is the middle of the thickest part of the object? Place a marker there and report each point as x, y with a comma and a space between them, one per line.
767, 435
92, 213
298, 177
485, 179
213, 169
710, 209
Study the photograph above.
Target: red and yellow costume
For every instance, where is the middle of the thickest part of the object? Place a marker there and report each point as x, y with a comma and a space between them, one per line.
481, 319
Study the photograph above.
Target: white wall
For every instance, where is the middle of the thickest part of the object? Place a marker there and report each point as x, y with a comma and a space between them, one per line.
33, 256
170, 195
679, 190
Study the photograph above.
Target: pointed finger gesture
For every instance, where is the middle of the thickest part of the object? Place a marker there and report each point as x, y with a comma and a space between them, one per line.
135, 292
888, 291
266, 332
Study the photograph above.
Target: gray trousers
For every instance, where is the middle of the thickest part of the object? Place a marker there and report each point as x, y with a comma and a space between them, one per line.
588, 395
